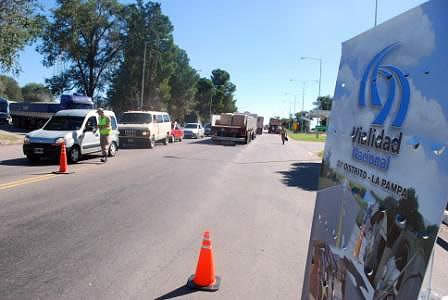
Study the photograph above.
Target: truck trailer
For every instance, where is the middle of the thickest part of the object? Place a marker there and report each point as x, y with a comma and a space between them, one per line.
260, 121
235, 128
33, 115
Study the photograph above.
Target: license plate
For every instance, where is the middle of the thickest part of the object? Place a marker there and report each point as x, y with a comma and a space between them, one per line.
38, 150
130, 140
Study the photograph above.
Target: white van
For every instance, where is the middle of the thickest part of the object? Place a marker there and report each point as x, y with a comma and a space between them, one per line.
144, 128
77, 128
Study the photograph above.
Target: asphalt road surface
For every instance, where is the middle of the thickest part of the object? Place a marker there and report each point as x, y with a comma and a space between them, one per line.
131, 228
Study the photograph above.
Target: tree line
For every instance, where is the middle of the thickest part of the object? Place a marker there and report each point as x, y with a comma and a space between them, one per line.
123, 56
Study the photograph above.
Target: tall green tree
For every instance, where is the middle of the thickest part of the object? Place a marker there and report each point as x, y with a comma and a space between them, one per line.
20, 24
183, 86
323, 103
9, 88
204, 98
224, 100
87, 35
36, 92
148, 48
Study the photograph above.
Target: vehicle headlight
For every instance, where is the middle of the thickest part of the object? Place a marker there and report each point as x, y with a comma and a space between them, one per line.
145, 133
26, 140
59, 141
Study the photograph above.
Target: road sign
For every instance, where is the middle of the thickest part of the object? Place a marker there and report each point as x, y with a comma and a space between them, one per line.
383, 184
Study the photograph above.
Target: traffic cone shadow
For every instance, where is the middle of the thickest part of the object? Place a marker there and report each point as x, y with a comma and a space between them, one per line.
63, 165
204, 279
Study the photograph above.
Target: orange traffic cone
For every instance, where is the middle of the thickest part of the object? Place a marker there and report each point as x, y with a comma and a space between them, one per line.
63, 166
204, 278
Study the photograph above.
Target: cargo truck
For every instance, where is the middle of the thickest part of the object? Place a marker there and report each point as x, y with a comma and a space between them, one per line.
260, 121
274, 125
33, 115
235, 128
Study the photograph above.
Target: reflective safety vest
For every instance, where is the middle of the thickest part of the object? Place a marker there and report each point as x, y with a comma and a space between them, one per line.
104, 125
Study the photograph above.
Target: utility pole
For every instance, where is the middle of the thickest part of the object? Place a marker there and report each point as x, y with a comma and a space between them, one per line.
143, 76
303, 95
376, 12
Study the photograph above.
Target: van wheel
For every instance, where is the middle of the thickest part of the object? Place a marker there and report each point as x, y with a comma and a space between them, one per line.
165, 141
113, 149
74, 155
152, 143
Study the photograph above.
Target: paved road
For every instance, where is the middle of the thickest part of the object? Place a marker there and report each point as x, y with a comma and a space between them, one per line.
132, 228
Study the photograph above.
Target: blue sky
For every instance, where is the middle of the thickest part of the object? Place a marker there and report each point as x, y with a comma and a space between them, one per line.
260, 44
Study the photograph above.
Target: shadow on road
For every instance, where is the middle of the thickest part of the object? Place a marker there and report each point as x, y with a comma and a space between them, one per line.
208, 141
442, 243
181, 291
304, 175
25, 162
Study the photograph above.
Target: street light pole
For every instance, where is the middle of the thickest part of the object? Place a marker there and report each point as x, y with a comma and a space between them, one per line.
376, 12
303, 95
143, 77
211, 107
320, 69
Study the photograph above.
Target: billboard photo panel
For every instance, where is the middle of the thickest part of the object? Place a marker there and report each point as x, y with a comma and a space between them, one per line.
383, 182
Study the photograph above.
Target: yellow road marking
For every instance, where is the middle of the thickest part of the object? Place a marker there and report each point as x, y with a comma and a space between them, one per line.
12, 184
28, 180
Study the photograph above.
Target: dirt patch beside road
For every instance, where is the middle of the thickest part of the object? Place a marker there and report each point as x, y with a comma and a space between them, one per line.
7, 138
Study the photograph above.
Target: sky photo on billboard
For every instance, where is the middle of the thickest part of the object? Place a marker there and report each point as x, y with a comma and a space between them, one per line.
382, 186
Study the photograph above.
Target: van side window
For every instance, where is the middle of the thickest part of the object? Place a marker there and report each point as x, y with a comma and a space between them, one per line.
113, 123
159, 118
91, 122
166, 118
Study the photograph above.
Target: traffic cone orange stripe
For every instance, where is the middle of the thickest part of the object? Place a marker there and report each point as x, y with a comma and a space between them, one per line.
63, 165
205, 278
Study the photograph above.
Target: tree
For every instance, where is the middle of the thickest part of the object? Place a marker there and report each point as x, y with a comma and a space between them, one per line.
146, 29
204, 97
183, 86
36, 92
223, 101
19, 25
86, 34
323, 103
9, 88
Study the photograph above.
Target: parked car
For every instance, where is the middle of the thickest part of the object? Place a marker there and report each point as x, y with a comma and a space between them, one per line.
193, 130
77, 128
144, 128
208, 129
177, 133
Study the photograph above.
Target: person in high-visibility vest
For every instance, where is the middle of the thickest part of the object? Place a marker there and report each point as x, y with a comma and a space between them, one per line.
105, 130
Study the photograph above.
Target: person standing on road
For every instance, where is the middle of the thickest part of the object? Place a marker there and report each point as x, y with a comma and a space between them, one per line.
283, 134
105, 130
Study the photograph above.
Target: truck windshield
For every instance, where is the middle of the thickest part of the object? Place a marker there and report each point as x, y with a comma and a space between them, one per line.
136, 118
191, 126
3, 107
64, 123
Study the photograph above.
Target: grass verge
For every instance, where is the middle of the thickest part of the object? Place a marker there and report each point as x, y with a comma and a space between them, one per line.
307, 137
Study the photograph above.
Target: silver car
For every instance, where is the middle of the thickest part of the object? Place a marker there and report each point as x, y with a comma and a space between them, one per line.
194, 131
77, 128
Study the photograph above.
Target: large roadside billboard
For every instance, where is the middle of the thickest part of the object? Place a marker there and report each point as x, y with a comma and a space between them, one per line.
384, 179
